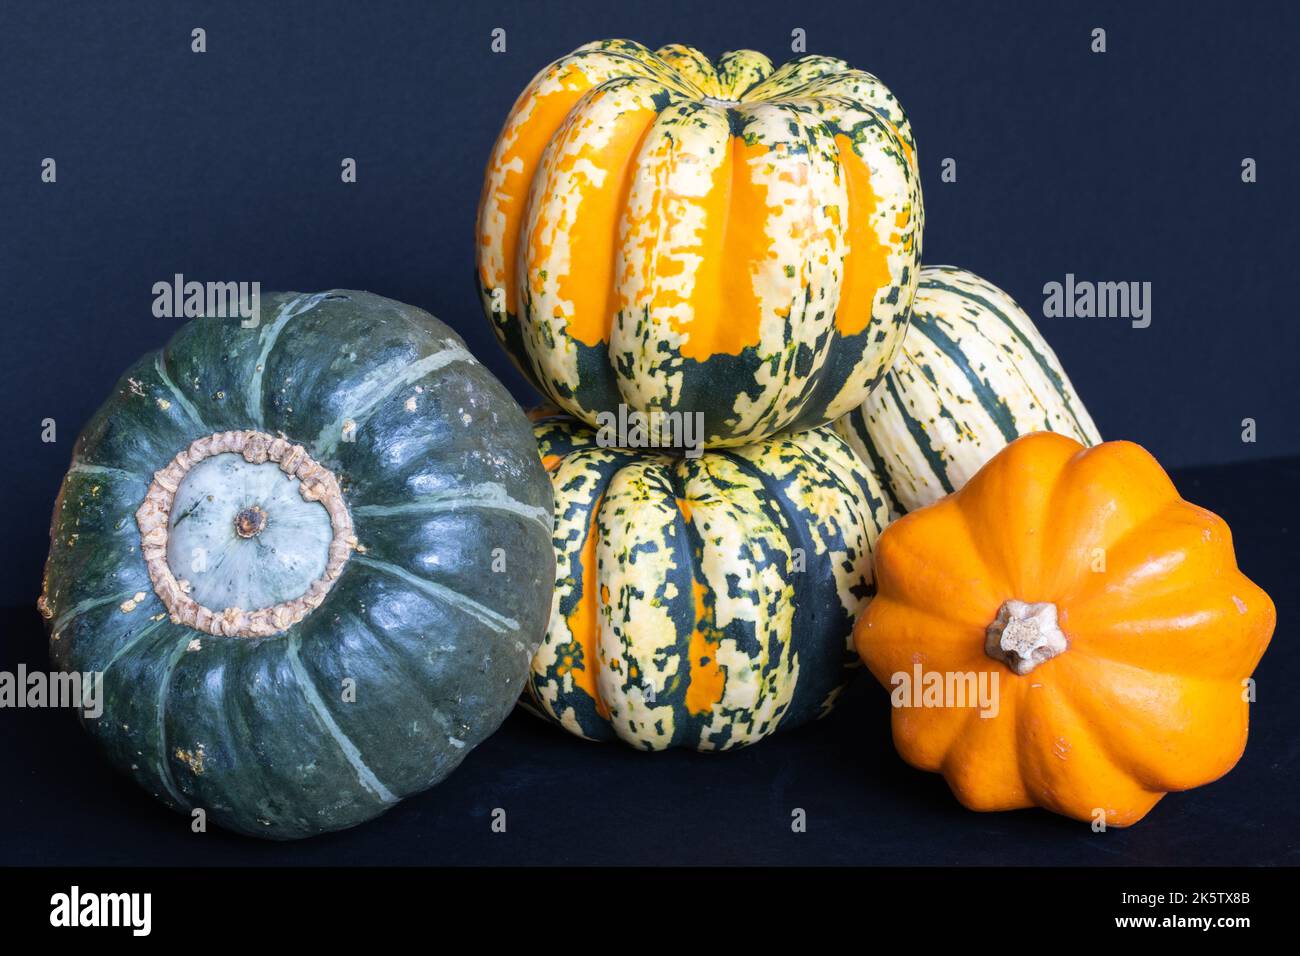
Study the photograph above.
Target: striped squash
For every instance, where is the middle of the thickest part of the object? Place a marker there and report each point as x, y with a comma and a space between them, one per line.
674, 235
973, 375
702, 602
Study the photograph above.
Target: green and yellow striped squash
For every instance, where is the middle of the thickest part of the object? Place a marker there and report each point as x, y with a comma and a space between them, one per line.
675, 235
974, 374
702, 602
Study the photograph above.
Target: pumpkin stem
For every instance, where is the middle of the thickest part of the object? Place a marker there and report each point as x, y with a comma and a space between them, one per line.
1022, 636
316, 485
250, 522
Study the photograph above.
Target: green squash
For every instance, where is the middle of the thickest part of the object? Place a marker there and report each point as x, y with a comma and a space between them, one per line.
311, 560
707, 602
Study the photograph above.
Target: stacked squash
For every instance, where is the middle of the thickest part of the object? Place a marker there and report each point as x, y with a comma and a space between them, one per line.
664, 234
316, 560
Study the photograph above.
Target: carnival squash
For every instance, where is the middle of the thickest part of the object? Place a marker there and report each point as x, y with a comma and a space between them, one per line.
311, 560
972, 376
1106, 615
702, 602
676, 235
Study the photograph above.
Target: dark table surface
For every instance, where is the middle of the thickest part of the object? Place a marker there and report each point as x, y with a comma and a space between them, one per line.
567, 801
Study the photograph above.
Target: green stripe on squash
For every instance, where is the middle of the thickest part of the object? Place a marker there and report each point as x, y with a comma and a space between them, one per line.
973, 375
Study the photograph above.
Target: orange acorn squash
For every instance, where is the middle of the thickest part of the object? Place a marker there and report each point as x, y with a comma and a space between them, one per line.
1105, 614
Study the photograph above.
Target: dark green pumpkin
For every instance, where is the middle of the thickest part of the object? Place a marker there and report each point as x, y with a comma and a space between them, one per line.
438, 588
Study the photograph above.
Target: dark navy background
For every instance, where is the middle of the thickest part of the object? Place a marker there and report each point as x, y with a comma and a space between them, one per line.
225, 166
572, 802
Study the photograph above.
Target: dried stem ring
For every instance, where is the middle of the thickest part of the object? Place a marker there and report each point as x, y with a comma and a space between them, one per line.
316, 484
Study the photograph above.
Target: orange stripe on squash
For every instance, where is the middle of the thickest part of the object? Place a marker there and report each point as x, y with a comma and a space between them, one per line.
520, 162
724, 310
866, 262
584, 619
601, 197
707, 678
